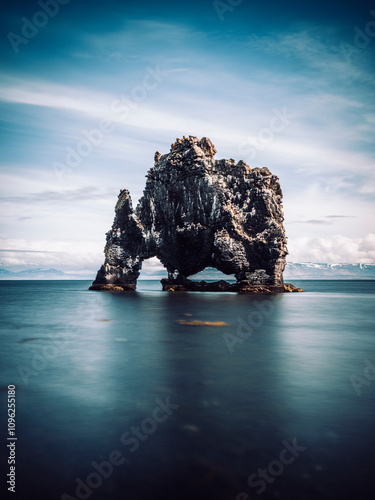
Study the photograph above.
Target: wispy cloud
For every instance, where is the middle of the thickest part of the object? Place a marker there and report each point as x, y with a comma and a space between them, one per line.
17, 250
316, 221
317, 47
65, 195
47, 94
82, 194
340, 216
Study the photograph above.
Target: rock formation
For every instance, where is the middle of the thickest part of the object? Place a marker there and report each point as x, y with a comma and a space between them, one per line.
198, 212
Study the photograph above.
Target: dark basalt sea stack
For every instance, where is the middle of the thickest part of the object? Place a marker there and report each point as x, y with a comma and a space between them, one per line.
198, 212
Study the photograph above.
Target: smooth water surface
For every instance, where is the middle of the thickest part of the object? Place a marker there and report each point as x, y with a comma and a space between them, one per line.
90, 369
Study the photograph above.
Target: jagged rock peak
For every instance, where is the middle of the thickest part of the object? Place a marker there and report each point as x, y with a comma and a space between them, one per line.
198, 212
186, 151
200, 147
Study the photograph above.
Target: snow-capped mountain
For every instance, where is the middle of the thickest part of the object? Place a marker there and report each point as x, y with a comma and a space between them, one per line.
310, 270
40, 270
33, 274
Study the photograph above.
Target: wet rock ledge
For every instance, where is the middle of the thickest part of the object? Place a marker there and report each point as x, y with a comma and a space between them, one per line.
224, 286
198, 212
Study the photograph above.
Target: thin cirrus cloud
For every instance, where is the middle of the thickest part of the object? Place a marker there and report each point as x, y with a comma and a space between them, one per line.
46, 94
71, 195
149, 116
303, 47
340, 216
316, 221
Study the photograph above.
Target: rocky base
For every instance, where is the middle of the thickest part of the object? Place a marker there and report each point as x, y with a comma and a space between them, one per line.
224, 286
113, 288
203, 286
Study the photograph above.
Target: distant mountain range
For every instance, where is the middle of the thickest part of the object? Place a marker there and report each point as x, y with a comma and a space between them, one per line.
293, 270
309, 270
38, 274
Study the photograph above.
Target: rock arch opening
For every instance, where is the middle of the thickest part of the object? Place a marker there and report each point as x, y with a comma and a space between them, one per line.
152, 269
212, 274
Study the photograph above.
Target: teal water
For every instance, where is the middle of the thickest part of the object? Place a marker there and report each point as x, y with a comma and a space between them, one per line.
91, 369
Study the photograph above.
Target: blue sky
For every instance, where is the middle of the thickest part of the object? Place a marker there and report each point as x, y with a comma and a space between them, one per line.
288, 85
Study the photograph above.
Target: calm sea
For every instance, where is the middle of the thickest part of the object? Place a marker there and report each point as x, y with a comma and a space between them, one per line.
119, 397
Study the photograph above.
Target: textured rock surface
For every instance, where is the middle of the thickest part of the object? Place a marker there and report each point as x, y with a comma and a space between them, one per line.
224, 286
198, 212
